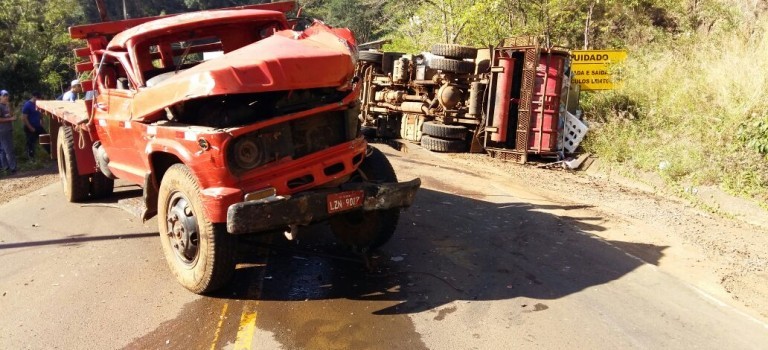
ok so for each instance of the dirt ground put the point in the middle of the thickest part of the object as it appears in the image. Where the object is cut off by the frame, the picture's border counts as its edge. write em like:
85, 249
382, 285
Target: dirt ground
23, 182
715, 252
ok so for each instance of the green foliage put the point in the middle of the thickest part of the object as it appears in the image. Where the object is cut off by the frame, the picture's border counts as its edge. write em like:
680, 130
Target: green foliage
610, 106
366, 18
692, 108
605, 24
754, 135
35, 44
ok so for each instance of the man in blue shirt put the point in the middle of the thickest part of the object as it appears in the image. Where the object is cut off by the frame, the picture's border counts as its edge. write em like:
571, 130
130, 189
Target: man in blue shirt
32, 125
75, 89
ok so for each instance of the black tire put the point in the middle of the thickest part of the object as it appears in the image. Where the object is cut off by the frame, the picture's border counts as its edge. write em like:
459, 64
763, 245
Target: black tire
448, 65
453, 132
75, 186
368, 132
200, 253
101, 185
370, 56
454, 51
440, 145
366, 231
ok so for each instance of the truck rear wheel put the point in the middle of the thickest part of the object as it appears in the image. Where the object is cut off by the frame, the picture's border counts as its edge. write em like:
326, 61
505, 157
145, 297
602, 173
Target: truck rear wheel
101, 185
366, 231
200, 253
75, 186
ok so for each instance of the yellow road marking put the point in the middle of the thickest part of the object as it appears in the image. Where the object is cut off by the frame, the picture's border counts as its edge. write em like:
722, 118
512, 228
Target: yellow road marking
247, 327
245, 331
218, 326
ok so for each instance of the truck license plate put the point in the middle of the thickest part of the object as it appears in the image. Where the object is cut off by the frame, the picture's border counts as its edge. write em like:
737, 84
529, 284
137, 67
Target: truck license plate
344, 201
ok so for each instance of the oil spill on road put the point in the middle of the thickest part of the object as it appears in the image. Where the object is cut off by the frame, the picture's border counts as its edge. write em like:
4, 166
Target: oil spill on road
536, 307
324, 298
444, 312
311, 295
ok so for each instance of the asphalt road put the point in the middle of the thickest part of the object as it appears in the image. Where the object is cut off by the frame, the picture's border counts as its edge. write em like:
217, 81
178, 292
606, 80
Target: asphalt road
479, 262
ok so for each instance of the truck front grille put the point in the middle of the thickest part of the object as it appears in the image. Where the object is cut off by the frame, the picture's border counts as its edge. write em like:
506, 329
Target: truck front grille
293, 139
226, 111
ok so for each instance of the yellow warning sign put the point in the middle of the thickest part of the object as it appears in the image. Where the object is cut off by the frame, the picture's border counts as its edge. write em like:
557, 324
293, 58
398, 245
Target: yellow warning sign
591, 68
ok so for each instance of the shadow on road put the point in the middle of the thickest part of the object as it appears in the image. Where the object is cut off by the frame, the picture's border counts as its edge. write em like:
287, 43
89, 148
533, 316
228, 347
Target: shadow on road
74, 240
451, 248
447, 248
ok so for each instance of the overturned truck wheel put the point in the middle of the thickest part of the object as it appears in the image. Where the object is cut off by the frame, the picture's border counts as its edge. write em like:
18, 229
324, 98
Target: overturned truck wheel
454, 51
454, 132
199, 253
449, 65
370, 56
366, 231
440, 145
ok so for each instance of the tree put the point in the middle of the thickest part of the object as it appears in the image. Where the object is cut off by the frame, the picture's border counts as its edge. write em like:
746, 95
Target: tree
612, 23
368, 19
37, 50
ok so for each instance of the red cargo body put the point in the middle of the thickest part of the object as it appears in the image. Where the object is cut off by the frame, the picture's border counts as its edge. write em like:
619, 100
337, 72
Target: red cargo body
545, 105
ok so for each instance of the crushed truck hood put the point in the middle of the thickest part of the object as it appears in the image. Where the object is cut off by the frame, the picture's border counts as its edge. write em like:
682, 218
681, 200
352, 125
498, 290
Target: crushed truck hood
285, 61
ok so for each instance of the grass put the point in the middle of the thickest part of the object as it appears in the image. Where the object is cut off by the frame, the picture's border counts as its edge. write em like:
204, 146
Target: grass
694, 112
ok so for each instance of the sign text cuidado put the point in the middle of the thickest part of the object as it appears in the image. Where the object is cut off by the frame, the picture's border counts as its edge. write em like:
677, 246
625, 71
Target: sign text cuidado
591, 68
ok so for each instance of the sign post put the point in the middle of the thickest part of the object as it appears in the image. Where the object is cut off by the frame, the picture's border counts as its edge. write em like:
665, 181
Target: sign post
591, 68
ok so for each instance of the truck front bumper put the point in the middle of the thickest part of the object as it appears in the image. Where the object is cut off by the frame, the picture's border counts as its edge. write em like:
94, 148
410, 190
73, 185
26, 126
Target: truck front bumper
308, 207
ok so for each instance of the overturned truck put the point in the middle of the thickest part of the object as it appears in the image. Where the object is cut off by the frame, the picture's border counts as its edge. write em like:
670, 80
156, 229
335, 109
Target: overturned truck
511, 100
234, 122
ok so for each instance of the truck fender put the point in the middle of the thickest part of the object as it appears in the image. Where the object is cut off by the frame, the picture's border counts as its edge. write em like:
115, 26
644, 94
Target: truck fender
161, 156
150, 197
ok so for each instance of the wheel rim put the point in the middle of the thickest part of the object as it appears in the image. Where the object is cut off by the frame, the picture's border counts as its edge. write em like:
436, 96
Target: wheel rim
182, 230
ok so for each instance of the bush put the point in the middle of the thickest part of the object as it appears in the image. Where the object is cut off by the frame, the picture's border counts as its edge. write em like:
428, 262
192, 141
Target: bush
693, 112
754, 135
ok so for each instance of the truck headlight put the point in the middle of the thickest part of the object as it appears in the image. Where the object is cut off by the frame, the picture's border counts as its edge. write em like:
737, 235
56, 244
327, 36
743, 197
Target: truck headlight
247, 153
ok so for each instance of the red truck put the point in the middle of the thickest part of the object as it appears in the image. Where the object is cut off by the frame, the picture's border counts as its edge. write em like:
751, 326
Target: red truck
234, 122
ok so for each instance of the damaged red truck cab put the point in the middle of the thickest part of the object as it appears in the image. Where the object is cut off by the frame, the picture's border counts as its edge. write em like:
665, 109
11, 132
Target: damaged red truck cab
233, 123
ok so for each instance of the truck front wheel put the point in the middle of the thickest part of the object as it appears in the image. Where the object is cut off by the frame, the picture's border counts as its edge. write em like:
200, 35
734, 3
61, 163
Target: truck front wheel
75, 186
200, 253
365, 231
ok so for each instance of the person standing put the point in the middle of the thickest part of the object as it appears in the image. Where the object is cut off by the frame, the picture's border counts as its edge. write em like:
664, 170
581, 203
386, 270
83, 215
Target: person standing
75, 88
6, 133
3, 162
32, 125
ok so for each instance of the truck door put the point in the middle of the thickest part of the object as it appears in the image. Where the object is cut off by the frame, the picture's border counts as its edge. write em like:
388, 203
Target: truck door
113, 107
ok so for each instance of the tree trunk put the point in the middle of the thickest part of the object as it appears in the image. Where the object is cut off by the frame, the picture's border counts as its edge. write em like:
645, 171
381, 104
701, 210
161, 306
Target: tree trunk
587, 23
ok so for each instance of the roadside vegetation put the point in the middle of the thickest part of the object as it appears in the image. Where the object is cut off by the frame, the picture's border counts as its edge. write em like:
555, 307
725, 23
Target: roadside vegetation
692, 108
